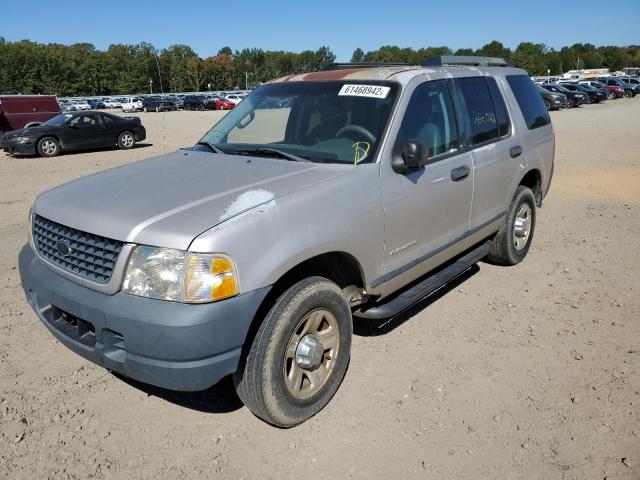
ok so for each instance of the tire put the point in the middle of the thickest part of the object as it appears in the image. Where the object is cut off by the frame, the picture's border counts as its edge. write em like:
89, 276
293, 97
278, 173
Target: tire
126, 140
628, 94
612, 96
48, 147
547, 105
201, 107
157, 109
261, 381
145, 110
511, 244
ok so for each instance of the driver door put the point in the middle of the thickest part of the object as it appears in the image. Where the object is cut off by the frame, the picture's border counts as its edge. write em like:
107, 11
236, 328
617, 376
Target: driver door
426, 211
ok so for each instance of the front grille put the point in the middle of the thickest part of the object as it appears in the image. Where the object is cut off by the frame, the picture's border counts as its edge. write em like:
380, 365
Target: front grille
91, 256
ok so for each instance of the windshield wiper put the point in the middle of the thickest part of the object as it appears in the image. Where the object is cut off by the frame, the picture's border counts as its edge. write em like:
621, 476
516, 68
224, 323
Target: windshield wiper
214, 148
273, 152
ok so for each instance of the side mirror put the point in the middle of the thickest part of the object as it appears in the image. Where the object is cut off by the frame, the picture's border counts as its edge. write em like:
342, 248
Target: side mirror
414, 156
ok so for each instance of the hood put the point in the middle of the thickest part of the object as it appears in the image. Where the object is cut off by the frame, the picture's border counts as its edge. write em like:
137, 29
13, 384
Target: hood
25, 132
167, 201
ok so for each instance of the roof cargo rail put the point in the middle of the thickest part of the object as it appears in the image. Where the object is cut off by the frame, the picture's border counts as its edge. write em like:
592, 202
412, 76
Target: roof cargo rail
344, 66
441, 60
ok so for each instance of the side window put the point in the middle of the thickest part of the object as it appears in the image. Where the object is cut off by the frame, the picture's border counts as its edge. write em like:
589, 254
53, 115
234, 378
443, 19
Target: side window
479, 105
498, 104
106, 119
430, 118
533, 110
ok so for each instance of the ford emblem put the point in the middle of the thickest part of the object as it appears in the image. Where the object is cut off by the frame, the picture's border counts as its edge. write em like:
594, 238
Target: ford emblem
63, 247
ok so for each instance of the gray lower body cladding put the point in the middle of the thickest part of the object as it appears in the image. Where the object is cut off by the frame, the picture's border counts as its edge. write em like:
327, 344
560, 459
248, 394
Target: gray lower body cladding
167, 344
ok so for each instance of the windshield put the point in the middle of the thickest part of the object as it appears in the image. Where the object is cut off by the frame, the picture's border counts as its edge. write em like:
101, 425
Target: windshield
58, 120
336, 121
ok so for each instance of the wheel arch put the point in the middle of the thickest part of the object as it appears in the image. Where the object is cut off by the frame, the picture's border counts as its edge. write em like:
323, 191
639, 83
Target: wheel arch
54, 136
533, 180
337, 266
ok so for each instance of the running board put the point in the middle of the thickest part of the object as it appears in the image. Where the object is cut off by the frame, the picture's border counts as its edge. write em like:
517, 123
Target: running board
426, 287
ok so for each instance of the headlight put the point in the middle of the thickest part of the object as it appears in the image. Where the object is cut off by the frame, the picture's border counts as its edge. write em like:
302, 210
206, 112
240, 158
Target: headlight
180, 276
21, 139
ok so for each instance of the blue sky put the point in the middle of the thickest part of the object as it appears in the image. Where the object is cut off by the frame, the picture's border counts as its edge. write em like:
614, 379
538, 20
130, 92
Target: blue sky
341, 25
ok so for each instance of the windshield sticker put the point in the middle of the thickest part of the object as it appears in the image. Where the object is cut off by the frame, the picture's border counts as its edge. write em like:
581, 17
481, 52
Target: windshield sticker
371, 91
361, 150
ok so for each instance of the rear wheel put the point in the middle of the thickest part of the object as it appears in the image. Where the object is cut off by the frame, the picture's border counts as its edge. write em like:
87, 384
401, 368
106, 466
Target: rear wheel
126, 140
547, 105
511, 243
48, 147
611, 96
299, 355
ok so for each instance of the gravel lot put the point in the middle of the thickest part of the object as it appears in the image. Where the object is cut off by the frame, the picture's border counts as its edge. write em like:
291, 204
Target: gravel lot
524, 372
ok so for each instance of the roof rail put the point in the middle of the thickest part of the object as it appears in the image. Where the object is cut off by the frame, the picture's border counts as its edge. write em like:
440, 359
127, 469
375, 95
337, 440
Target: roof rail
441, 60
344, 66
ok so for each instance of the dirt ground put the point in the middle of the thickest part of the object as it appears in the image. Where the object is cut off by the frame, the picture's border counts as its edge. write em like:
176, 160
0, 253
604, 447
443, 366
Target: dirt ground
525, 372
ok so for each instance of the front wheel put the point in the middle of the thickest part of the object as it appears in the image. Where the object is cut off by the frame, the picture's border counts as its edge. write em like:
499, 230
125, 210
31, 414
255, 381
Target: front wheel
126, 141
299, 355
612, 96
48, 147
511, 243
547, 105
628, 94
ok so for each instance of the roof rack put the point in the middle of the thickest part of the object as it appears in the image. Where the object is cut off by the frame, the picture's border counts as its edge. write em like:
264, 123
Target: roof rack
344, 66
442, 60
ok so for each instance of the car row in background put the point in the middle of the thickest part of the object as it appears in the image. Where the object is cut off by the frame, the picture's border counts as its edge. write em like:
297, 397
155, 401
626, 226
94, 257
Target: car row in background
568, 94
157, 103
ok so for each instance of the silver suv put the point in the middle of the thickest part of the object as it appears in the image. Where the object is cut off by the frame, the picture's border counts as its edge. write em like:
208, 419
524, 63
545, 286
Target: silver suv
354, 191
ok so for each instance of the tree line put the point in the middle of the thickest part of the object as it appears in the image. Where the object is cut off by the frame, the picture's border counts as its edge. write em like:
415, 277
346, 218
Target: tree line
81, 69
535, 58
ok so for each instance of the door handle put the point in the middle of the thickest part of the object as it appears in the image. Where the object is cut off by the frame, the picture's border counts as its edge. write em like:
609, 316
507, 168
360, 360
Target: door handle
460, 173
515, 151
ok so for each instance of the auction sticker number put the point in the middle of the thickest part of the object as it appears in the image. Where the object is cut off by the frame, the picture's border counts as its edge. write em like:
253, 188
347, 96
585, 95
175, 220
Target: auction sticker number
372, 91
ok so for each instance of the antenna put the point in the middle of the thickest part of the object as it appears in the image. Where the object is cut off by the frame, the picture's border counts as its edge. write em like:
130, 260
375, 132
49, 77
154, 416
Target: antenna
164, 129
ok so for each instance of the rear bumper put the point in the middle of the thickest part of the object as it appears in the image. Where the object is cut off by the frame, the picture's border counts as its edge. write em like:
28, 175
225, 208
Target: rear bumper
140, 133
167, 344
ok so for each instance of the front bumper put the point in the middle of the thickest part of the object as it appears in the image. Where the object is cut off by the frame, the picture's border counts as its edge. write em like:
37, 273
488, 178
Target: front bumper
18, 148
167, 344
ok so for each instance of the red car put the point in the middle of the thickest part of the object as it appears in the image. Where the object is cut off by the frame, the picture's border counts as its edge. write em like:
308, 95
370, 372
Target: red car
224, 104
23, 111
614, 90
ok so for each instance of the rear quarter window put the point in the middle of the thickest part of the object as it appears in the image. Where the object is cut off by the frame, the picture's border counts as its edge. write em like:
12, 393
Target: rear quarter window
529, 100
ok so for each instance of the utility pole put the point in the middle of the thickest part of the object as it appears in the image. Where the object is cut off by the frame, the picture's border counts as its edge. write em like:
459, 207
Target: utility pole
150, 86
246, 80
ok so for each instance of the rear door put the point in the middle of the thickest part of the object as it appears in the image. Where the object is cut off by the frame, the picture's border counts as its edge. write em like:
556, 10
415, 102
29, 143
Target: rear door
494, 150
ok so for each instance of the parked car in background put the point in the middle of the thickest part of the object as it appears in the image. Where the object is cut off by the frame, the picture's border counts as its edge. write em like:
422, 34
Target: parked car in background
236, 99
223, 103
157, 104
75, 131
591, 95
21, 111
199, 102
132, 104
575, 98
174, 100
81, 105
601, 93
612, 91
95, 103
629, 89
66, 106
553, 100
